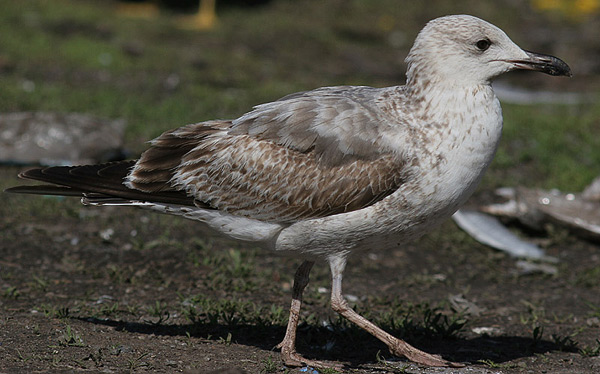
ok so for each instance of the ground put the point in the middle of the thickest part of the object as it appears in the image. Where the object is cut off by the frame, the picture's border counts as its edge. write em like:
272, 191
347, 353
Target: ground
86, 289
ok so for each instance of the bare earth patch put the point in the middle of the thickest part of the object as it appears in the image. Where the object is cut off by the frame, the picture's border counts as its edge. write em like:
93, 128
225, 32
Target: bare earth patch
123, 290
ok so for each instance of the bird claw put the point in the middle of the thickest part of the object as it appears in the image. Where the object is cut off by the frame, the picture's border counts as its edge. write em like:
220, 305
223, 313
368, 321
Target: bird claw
293, 359
423, 358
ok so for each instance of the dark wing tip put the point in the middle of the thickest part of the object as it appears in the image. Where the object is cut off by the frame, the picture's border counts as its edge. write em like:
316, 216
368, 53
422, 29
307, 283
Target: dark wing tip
45, 189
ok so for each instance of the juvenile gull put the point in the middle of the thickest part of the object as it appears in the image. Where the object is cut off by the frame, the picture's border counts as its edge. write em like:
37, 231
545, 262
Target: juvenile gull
331, 172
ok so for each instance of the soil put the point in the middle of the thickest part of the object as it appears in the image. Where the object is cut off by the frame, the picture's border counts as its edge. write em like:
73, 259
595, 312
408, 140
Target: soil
81, 291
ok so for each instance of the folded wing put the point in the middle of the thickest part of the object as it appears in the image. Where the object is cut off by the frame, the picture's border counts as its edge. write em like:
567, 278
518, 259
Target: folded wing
305, 156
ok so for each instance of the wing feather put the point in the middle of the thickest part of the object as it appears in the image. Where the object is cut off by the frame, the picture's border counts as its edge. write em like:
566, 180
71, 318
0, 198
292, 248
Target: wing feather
103, 180
341, 124
307, 155
249, 176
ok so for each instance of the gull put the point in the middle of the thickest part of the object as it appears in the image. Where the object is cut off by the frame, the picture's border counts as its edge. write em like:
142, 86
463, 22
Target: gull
332, 172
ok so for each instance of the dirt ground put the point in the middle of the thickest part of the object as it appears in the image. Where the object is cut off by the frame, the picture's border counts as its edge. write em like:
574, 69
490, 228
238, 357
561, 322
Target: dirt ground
81, 291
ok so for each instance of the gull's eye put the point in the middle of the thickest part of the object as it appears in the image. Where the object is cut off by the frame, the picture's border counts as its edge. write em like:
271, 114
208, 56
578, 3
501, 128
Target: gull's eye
483, 44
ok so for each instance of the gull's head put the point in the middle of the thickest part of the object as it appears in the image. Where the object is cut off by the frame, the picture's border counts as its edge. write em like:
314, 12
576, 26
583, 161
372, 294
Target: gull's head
463, 49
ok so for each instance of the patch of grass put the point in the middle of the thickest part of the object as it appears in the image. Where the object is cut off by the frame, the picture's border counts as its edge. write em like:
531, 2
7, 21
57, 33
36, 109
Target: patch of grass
565, 343
227, 340
70, 338
494, 365
25, 358
120, 275
55, 311
133, 310
534, 315
35, 329
11, 292
112, 310
557, 146
39, 283
591, 351
269, 366
160, 311
381, 360
421, 321
537, 334
109, 310
233, 269
231, 312
595, 309
588, 277
189, 341
137, 362
562, 319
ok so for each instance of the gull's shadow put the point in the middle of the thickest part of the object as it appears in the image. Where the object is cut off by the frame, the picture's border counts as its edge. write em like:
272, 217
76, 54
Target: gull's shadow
353, 347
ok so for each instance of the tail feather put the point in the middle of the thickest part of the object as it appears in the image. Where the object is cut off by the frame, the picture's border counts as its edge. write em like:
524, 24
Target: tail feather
46, 189
101, 182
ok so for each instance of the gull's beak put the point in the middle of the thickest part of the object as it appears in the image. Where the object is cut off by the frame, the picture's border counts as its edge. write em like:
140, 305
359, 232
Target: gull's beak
544, 63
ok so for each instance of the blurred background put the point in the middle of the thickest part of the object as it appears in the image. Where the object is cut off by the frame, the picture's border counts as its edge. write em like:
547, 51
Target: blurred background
162, 64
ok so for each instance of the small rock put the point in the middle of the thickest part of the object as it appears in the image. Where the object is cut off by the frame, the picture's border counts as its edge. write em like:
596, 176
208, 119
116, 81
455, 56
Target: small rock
489, 331
593, 322
526, 268
121, 349
461, 304
107, 234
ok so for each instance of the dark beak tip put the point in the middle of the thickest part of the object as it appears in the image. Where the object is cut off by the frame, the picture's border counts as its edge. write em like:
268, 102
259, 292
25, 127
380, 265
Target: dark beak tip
548, 64
561, 68
560, 73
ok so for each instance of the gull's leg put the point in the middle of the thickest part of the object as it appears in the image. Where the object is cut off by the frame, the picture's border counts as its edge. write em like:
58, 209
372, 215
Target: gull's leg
288, 345
397, 346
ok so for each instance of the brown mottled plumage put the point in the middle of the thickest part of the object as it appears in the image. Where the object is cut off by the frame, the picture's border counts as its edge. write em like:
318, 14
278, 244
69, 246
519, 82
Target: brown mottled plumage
277, 163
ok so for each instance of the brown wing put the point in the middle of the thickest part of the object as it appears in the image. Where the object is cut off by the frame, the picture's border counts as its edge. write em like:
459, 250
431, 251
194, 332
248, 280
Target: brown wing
339, 124
251, 177
308, 155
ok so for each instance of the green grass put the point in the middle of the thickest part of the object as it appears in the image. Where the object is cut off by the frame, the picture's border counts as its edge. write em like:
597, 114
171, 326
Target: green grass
231, 312
79, 56
71, 338
559, 145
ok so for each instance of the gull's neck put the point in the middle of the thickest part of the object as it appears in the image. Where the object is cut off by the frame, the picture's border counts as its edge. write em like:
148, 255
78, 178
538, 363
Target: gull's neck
459, 127
438, 96
458, 105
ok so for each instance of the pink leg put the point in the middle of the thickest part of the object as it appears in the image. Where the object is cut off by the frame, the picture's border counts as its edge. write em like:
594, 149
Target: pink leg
397, 346
288, 345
